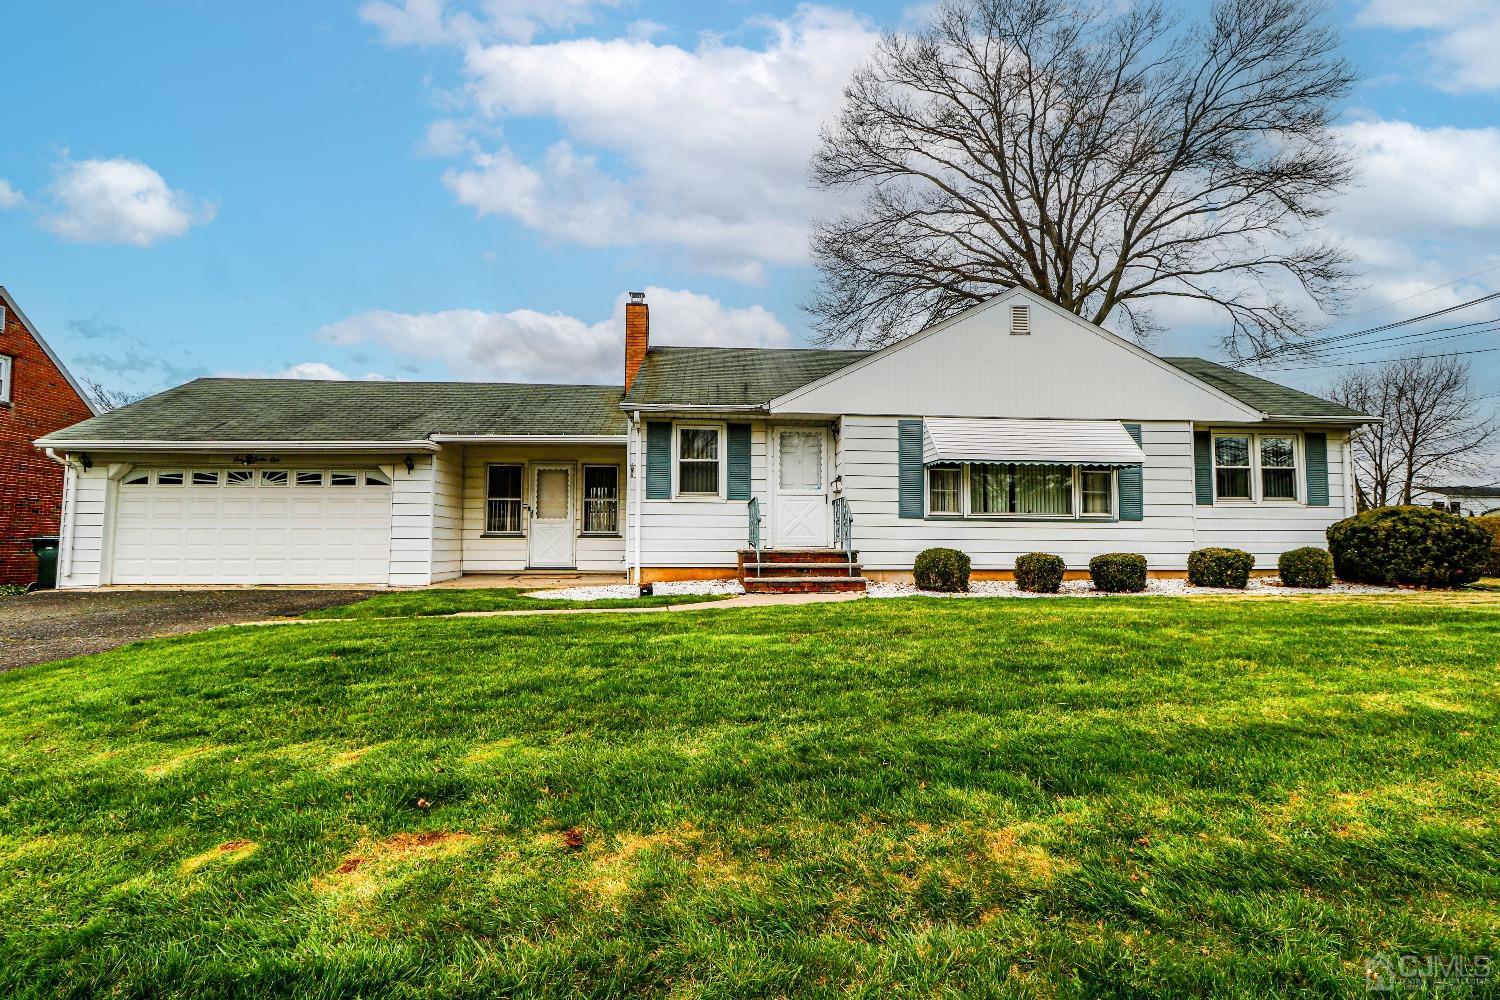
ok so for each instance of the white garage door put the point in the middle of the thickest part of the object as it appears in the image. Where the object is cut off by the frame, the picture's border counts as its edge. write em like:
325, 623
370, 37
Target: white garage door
253, 526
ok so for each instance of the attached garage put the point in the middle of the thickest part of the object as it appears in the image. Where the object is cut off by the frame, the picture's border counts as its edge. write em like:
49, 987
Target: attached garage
252, 526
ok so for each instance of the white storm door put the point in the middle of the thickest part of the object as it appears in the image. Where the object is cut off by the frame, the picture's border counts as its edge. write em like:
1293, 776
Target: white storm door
800, 486
551, 529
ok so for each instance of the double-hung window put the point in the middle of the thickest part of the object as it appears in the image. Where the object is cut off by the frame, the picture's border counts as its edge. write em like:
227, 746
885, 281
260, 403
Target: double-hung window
7, 366
699, 451
1255, 467
502, 514
1008, 489
601, 499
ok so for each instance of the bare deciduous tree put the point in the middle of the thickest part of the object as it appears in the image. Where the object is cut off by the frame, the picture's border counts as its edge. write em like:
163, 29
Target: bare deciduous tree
106, 399
1431, 428
1101, 157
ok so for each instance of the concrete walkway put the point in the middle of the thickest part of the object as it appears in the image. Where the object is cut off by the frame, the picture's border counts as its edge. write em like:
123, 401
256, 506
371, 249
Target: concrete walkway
743, 601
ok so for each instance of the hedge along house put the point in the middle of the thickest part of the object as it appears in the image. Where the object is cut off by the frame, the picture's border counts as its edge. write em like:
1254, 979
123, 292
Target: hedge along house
1013, 427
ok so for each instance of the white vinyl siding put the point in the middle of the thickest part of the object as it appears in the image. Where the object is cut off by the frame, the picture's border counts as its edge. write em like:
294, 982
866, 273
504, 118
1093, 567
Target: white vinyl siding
887, 541
709, 532
1267, 529
487, 552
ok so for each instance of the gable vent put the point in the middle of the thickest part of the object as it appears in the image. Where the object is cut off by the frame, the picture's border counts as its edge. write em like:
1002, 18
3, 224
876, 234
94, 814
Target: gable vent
1020, 321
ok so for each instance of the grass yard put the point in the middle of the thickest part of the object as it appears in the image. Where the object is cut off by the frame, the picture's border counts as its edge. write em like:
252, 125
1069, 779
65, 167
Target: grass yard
426, 603
1133, 797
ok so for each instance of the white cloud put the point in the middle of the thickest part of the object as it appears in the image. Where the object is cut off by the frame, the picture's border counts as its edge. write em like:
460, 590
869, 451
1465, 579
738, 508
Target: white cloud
1422, 183
119, 201
9, 196
434, 22
1463, 36
529, 346
704, 148
318, 371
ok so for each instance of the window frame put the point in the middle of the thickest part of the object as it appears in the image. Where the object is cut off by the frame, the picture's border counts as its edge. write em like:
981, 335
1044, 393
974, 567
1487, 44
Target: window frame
7, 375
1257, 482
583, 500
965, 496
722, 460
519, 498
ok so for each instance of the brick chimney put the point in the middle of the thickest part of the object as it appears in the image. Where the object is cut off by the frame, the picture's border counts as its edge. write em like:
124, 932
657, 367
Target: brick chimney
637, 335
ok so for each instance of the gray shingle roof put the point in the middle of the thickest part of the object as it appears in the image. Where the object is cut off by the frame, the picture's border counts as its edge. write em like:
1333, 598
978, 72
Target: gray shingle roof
730, 376
231, 409
1268, 397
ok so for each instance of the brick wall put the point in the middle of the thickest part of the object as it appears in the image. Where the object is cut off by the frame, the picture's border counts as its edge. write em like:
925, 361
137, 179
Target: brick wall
41, 401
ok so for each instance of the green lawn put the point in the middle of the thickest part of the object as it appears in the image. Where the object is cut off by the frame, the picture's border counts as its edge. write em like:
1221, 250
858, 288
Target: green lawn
424, 603
1133, 797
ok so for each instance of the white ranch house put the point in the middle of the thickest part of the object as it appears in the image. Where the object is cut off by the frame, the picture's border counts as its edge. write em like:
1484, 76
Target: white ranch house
1014, 427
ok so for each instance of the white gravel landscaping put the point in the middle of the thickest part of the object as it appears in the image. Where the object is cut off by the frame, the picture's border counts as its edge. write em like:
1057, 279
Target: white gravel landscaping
625, 590
1154, 588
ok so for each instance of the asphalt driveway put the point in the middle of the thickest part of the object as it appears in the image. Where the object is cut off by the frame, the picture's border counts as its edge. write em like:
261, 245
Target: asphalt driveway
54, 625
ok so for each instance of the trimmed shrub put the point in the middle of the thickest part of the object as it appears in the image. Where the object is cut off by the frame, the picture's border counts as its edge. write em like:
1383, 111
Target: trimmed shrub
945, 570
1216, 567
1491, 523
1039, 572
1417, 546
1308, 566
1118, 572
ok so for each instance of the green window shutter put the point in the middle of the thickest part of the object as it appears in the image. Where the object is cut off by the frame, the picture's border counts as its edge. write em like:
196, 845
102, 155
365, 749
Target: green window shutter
739, 461
909, 449
658, 461
1132, 487
1203, 467
1317, 469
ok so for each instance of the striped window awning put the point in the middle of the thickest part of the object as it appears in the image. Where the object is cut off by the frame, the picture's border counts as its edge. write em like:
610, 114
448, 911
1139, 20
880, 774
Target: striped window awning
1029, 442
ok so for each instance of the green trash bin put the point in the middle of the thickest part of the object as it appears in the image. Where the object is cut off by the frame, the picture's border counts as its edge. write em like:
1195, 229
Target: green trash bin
45, 547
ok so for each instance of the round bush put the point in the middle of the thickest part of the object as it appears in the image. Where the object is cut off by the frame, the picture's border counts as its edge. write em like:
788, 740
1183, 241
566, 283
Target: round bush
1118, 572
1417, 546
945, 570
1216, 567
1491, 523
1039, 572
1308, 566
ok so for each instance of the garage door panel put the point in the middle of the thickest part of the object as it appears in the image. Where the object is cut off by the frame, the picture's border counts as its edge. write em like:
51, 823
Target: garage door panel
252, 534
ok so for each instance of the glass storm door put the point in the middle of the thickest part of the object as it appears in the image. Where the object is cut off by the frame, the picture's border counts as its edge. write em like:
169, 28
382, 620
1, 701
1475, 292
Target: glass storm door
551, 529
800, 486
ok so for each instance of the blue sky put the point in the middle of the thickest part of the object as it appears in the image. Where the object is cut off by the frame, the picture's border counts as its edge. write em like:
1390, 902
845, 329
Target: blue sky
414, 189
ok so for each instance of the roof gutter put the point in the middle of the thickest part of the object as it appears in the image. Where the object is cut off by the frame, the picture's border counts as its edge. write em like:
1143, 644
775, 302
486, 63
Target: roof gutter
122, 445
529, 438
707, 407
1352, 421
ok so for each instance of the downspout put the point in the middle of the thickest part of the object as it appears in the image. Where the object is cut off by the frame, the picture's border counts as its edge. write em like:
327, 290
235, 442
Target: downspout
638, 482
65, 522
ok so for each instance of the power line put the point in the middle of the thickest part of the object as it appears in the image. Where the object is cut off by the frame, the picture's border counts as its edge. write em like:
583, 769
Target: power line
1413, 295
1424, 337
1271, 353
1380, 361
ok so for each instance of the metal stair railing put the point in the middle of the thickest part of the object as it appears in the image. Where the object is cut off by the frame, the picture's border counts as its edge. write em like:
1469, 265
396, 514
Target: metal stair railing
754, 508
843, 530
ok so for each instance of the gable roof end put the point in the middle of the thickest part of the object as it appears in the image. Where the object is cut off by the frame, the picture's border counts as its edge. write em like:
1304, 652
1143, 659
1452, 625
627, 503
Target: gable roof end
41, 342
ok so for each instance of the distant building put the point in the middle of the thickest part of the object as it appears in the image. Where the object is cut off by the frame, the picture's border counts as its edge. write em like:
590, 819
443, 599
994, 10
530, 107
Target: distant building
1469, 501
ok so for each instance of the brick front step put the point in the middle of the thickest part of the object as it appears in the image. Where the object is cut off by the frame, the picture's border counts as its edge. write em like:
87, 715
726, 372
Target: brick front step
804, 584
796, 556
753, 569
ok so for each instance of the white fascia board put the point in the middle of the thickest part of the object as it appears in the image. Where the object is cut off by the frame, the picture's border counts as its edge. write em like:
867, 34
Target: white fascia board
75, 446
41, 341
782, 402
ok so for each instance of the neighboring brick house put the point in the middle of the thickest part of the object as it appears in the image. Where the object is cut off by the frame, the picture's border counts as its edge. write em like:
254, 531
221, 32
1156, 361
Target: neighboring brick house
37, 396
